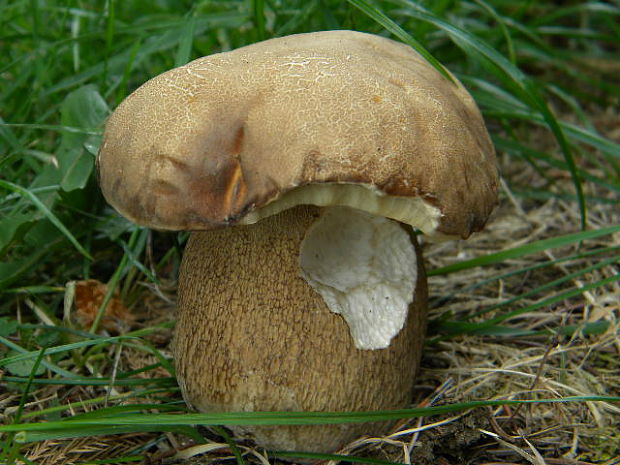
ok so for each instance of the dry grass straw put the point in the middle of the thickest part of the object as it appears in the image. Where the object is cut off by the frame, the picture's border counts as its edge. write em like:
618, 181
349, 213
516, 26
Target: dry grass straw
84, 450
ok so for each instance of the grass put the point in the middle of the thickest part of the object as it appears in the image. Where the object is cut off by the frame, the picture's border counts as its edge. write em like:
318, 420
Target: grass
525, 311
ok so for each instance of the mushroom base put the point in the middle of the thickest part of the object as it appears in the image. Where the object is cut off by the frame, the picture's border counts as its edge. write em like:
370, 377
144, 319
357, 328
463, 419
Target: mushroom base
253, 335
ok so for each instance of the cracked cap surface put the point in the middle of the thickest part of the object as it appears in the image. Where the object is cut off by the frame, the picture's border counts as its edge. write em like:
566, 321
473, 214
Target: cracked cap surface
203, 145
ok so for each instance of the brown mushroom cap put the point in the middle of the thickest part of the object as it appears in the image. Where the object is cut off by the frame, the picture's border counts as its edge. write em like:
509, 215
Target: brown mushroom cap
214, 142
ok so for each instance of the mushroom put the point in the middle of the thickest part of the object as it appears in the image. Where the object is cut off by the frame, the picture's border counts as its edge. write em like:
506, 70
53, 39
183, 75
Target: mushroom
303, 165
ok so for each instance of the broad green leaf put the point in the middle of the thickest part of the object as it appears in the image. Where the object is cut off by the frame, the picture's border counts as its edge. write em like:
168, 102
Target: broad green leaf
23, 367
13, 270
10, 224
7, 135
77, 165
82, 114
17, 359
47, 212
83, 108
7, 326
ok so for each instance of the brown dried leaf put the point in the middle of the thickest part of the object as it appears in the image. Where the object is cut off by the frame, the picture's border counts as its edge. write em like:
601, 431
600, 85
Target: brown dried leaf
89, 295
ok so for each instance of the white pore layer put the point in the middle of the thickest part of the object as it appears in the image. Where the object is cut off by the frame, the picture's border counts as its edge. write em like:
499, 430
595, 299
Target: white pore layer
409, 210
365, 269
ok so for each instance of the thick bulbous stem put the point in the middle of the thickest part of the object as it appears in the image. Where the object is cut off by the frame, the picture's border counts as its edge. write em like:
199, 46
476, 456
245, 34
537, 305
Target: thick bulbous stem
252, 335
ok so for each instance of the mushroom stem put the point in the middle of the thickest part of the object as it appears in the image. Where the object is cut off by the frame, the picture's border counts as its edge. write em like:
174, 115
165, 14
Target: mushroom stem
253, 335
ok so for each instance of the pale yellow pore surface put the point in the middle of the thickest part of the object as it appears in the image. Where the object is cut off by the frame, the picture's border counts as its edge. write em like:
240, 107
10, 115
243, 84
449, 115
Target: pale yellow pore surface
409, 210
203, 145
252, 335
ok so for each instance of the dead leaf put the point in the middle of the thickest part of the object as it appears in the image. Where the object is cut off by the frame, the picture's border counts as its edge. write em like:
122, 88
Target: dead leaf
89, 295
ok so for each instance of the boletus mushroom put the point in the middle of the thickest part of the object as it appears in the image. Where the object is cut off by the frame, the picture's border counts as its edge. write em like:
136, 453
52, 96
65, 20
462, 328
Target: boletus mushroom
302, 165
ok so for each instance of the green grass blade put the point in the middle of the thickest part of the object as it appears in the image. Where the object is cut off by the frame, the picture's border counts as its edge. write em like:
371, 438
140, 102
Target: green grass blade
163, 421
522, 270
102, 400
65, 348
184, 49
327, 457
47, 213
450, 329
547, 286
67, 433
16, 347
526, 249
502, 25
258, 16
554, 299
512, 77
380, 17
170, 383
491, 326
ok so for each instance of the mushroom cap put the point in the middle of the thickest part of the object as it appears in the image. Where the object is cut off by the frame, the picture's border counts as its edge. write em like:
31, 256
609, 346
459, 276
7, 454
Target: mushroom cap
219, 140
